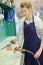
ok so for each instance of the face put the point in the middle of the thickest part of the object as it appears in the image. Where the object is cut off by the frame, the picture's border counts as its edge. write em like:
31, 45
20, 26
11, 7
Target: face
26, 12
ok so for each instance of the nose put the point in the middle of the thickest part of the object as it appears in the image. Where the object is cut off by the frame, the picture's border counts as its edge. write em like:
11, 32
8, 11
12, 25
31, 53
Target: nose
24, 14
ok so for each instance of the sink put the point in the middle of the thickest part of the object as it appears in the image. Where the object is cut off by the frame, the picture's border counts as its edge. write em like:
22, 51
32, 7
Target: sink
9, 58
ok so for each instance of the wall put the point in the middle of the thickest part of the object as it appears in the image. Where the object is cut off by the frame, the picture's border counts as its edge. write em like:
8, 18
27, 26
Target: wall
3, 33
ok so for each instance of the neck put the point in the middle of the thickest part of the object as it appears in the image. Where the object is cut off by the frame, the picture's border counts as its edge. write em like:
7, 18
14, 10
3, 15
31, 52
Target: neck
29, 18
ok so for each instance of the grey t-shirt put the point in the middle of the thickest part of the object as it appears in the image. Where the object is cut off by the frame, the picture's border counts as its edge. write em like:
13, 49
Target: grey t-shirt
39, 29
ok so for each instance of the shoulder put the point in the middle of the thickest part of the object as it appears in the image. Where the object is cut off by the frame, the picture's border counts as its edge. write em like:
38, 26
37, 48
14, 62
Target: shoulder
21, 22
38, 22
22, 19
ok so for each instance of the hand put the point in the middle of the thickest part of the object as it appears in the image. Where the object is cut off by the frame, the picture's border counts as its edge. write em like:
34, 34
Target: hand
38, 53
15, 40
18, 48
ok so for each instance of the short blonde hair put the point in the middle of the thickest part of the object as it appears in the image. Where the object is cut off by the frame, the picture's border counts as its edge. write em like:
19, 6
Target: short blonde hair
26, 4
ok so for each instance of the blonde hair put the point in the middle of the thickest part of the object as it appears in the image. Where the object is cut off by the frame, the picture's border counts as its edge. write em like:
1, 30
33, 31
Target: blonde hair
26, 4
20, 14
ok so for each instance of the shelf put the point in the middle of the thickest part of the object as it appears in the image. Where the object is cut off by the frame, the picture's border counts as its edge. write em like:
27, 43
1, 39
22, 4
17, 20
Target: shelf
5, 7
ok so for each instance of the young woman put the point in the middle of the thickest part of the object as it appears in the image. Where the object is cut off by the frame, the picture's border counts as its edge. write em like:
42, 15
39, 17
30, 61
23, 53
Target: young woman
30, 33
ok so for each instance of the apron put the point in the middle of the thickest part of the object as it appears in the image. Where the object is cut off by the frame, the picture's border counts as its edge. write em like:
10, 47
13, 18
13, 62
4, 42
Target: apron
31, 42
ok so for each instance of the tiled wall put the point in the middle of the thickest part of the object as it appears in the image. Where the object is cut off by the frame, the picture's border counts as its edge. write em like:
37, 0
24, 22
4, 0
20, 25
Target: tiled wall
3, 33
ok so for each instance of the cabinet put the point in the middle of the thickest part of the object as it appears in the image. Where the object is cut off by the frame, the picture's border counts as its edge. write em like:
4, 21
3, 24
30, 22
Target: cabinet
8, 28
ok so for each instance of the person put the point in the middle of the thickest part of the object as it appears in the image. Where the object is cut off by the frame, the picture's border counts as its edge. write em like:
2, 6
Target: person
31, 33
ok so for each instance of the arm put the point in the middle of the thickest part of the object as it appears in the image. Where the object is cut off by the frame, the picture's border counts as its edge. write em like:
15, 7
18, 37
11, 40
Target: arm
39, 30
38, 53
20, 34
